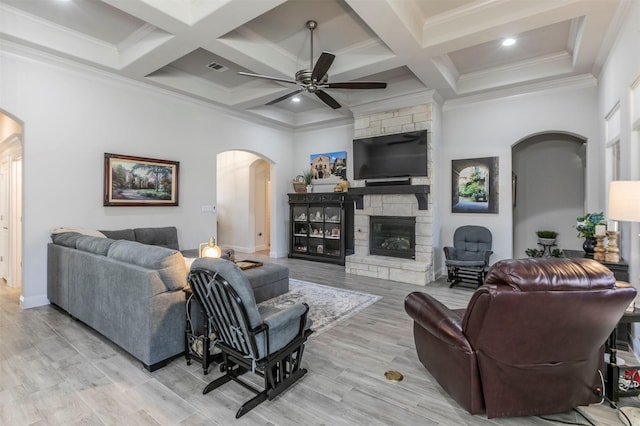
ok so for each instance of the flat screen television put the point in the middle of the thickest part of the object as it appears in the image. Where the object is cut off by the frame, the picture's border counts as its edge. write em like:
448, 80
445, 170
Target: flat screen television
390, 156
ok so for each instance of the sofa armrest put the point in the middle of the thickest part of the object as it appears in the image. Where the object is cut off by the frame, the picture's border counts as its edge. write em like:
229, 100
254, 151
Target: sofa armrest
437, 319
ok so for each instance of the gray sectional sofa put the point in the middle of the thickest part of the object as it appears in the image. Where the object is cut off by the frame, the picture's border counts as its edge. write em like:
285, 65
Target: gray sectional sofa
127, 287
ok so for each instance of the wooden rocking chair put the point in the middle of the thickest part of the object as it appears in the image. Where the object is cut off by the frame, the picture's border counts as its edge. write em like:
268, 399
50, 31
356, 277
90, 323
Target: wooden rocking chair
267, 342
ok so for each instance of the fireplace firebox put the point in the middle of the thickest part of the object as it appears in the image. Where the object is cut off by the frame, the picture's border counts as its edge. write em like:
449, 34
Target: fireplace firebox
393, 236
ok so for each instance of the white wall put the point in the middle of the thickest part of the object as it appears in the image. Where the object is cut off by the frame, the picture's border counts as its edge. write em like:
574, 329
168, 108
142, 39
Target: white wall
490, 128
619, 74
72, 115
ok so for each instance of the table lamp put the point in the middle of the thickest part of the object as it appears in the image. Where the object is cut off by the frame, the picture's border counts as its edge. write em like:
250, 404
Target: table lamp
624, 205
210, 249
624, 200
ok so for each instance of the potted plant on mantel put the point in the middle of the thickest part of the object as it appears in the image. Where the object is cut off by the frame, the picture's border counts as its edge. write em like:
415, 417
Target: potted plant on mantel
308, 178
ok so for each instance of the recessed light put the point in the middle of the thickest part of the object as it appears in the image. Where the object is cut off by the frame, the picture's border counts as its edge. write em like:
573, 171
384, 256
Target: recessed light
508, 41
295, 99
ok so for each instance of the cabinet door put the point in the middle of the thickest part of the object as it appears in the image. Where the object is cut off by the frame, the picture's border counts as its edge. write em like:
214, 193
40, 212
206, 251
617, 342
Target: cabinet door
316, 229
333, 231
300, 229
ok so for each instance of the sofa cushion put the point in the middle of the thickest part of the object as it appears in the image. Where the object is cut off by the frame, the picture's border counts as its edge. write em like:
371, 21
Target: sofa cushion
169, 263
67, 239
163, 237
94, 245
120, 234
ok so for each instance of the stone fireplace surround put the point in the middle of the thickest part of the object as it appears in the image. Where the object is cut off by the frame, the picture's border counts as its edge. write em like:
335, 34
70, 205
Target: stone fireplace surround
394, 200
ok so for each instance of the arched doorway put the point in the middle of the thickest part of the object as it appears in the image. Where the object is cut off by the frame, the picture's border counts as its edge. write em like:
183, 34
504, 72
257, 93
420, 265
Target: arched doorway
11, 140
243, 201
548, 189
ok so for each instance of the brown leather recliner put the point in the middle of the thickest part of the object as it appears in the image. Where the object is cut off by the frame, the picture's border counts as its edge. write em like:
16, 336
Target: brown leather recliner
530, 341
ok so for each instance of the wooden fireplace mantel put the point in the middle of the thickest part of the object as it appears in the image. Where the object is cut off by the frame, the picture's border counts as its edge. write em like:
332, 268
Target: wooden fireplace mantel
420, 191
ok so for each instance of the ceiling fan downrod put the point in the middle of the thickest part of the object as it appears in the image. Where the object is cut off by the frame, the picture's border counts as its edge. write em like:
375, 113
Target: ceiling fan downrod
311, 25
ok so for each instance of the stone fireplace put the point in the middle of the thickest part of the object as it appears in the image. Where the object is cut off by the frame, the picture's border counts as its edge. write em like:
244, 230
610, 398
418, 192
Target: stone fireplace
401, 203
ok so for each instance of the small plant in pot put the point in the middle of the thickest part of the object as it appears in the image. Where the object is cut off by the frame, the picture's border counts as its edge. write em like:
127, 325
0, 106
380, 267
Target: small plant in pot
308, 179
546, 238
541, 253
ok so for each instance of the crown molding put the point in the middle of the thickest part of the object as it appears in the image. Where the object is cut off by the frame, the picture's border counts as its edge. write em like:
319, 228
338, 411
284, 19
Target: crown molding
24, 53
570, 83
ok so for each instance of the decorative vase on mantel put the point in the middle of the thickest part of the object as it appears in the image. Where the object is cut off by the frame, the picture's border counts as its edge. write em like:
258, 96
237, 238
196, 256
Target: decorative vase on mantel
589, 246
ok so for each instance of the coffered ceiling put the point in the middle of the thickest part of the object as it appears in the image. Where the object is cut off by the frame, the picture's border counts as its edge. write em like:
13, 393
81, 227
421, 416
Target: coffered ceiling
197, 47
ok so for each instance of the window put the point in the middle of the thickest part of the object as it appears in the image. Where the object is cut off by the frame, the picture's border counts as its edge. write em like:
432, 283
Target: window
612, 130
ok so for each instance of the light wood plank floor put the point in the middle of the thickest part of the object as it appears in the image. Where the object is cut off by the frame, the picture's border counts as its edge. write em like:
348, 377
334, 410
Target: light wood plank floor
56, 371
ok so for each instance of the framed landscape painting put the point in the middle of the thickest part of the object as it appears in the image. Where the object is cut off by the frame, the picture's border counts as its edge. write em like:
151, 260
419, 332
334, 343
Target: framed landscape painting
139, 181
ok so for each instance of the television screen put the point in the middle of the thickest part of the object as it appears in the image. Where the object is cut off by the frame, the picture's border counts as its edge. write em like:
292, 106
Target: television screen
390, 156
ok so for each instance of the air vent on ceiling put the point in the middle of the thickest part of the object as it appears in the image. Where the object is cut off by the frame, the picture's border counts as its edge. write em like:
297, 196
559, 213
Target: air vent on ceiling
216, 66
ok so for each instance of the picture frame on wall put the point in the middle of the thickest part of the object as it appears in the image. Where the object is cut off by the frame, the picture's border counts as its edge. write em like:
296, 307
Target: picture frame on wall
140, 181
328, 164
474, 185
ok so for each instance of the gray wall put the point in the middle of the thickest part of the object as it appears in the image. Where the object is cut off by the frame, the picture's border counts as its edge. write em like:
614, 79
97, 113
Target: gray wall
550, 192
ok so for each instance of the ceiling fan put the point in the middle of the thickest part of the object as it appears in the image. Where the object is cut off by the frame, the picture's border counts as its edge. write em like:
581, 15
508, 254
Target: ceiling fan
314, 79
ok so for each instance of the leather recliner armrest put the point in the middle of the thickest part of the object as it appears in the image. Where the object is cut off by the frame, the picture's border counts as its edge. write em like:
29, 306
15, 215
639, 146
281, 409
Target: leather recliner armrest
437, 319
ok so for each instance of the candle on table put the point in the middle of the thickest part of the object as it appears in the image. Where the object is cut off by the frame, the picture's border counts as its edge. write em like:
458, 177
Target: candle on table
600, 230
612, 225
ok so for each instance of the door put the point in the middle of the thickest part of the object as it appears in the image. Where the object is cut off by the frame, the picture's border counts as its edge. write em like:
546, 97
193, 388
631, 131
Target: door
4, 220
261, 204
15, 224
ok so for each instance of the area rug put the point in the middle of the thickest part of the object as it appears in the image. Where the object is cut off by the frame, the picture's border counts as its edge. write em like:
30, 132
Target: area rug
327, 305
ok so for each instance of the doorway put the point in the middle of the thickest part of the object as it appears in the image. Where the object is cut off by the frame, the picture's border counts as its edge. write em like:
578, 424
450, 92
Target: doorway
548, 189
243, 201
11, 131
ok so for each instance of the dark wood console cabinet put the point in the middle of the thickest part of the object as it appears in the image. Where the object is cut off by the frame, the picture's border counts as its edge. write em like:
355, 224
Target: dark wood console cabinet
620, 269
321, 226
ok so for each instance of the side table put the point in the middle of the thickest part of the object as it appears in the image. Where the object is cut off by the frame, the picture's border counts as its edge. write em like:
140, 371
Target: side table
197, 339
612, 380
620, 269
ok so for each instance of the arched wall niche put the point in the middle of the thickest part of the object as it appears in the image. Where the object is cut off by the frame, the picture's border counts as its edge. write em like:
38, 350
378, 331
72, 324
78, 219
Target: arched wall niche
548, 188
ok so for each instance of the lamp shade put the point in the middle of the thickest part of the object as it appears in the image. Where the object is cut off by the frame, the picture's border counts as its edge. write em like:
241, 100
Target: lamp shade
624, 200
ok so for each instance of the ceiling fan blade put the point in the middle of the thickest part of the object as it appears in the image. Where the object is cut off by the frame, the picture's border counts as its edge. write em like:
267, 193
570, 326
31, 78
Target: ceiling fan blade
266, 77
357, 85
327, 99
282, 98
322, 66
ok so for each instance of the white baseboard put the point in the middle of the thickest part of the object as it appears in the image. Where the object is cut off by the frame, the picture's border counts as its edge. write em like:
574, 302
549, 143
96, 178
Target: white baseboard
33, 302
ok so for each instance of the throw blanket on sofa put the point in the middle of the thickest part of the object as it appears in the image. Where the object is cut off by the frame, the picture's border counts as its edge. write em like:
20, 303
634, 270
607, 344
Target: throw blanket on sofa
83, 231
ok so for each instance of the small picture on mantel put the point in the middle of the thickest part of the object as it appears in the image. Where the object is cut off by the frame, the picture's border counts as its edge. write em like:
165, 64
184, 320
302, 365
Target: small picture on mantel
474, 185
329, 164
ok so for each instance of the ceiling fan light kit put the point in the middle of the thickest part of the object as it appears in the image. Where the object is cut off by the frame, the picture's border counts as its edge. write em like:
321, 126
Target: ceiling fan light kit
315, 79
